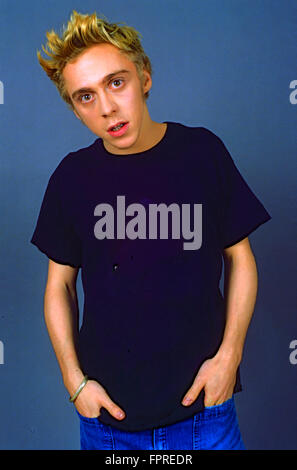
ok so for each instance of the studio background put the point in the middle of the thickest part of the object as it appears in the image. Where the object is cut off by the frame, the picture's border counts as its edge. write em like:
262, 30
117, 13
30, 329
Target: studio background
222, 64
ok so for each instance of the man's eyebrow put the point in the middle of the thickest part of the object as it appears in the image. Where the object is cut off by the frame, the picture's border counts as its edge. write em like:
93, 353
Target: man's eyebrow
104, 80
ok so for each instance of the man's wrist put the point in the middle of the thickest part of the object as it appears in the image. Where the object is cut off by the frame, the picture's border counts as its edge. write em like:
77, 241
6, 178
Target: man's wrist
230, 354
72, 379
81, 386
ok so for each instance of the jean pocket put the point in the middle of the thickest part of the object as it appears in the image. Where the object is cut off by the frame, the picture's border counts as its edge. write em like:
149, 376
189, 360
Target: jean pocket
94, 435
216, 428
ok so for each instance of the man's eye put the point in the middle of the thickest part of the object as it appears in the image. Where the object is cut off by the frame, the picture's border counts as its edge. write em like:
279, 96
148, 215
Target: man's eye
85, 98
117, 82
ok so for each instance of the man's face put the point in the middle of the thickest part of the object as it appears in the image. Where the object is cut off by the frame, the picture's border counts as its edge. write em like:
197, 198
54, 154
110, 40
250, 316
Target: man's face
106, 90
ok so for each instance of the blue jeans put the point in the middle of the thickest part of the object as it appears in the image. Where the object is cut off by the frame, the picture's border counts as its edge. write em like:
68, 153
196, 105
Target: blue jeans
215, 428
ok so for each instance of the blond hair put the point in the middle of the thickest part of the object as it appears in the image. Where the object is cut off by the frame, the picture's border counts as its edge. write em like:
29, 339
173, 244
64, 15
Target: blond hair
83, 31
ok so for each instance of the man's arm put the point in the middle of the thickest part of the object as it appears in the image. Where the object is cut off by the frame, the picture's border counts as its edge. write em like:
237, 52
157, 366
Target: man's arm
61, 314
218, 375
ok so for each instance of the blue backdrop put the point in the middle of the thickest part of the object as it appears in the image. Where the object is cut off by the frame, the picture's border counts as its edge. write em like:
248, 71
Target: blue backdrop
229, 65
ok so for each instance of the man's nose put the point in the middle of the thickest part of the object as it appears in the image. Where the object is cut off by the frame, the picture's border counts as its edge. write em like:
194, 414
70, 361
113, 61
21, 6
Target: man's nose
107, 104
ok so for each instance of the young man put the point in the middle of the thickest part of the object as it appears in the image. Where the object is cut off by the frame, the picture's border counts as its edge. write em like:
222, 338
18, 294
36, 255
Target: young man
148, 212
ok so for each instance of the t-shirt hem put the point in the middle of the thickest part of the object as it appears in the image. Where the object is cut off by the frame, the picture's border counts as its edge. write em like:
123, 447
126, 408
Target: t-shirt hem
154, 425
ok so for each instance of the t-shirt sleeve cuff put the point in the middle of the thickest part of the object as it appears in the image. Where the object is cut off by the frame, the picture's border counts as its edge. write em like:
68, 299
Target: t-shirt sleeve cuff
54, 256
237, 237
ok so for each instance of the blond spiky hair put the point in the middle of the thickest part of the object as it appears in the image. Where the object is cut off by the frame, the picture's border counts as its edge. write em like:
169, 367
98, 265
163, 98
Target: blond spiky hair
83, 31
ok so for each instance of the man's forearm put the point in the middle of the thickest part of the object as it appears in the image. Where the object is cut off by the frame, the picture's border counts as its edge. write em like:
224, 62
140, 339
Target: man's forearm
61, 316
240, 291
217, 375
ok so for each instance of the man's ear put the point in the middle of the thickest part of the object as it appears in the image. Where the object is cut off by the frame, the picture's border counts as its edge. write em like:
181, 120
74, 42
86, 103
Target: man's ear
146, 81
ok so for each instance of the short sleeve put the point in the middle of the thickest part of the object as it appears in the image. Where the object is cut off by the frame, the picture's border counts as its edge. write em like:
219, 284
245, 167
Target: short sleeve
240, 210
54, 234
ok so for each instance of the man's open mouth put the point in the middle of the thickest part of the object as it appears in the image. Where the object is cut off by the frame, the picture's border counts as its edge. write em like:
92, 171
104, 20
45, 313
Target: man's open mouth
117, 127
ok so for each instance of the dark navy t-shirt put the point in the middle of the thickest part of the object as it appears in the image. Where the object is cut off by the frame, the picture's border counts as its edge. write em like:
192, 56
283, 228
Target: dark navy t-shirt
148, 232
